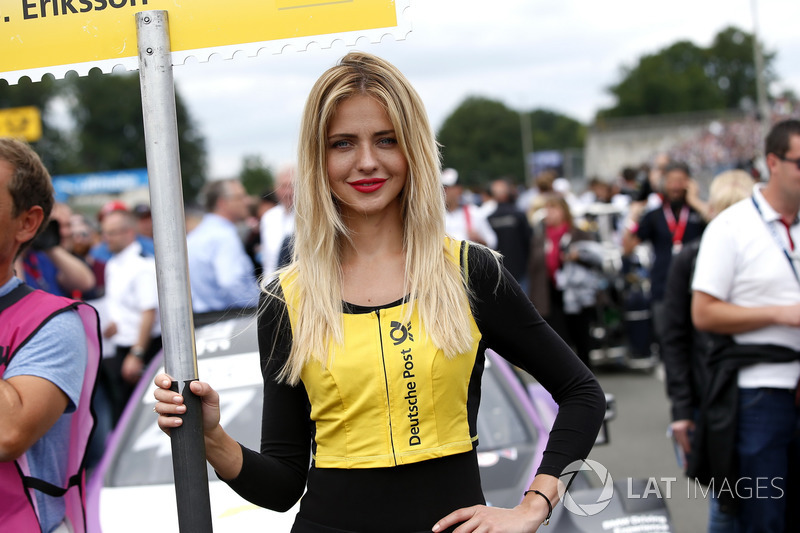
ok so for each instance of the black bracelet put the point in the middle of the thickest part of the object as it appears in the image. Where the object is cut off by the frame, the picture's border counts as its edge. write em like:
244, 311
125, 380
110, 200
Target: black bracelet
549, 505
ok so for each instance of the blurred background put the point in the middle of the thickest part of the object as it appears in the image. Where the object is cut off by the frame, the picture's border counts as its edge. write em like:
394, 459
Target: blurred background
511, 87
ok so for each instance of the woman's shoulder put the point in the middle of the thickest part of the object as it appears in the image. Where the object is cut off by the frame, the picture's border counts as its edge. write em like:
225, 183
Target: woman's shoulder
272, 302
481, 264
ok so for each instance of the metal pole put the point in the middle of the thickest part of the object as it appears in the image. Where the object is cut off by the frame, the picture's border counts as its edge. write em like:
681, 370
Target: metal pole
527, 145
172, 268
761, 89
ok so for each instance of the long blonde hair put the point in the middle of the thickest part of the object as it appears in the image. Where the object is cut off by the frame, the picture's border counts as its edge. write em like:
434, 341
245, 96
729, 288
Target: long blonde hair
728, 188
433, 282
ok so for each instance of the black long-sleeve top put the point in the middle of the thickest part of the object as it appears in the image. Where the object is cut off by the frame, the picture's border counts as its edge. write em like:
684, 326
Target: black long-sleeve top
412, 497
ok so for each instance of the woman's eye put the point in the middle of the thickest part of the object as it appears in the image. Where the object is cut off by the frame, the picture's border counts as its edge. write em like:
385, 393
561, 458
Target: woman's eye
340, 144
388, 141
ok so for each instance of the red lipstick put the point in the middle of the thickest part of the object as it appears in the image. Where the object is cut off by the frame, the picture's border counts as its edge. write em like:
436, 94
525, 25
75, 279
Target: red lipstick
367, 184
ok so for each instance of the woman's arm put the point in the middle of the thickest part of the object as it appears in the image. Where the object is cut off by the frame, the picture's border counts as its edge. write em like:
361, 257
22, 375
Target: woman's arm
511, 326
222, 452
275, 477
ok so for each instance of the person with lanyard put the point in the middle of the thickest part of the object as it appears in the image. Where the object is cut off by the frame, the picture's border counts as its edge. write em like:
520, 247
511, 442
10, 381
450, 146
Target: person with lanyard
667, 229
685, 349
746, 288
372, 339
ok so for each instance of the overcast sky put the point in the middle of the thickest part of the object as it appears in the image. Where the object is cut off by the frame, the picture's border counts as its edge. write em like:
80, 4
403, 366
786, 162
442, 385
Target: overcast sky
558, 55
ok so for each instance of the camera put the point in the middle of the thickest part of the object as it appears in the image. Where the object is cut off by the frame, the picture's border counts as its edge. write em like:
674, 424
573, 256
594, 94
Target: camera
49, 238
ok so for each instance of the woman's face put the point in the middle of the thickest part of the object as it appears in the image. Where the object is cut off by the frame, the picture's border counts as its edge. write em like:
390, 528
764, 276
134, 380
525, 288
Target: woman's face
366, 167
554, 216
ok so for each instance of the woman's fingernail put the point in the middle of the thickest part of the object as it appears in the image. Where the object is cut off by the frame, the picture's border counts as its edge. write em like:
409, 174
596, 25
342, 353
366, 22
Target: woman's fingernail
436, 527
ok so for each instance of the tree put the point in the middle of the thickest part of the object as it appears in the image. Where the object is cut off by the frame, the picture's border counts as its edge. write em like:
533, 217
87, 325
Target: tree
685, 77
110, 129
482, 139
255, 175
53, 147
554, 131
670, 81
731, 66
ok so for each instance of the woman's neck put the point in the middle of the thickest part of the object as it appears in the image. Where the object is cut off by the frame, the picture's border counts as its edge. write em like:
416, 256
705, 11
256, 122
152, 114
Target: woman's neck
372, 236
373, 262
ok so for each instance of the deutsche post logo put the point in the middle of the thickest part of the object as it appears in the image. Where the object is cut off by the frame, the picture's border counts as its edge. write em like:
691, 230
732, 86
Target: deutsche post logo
400, 333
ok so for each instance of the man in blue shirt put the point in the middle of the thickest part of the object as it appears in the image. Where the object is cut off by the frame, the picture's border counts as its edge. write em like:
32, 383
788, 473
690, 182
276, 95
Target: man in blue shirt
49, 350
220, 271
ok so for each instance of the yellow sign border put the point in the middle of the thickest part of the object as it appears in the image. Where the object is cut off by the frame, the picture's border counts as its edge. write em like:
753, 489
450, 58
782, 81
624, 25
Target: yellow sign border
48, 43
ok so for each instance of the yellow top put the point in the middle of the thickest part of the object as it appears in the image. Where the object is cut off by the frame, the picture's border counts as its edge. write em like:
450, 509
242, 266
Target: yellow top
390, 396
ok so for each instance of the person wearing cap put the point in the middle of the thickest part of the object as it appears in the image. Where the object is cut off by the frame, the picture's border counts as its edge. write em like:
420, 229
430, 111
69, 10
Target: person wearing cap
464, 221
101, 252
144, 220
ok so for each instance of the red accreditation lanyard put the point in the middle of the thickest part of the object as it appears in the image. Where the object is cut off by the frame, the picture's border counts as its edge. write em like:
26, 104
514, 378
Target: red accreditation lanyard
676, 227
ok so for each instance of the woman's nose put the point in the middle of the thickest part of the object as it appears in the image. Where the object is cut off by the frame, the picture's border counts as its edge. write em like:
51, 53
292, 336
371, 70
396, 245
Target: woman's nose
367, 161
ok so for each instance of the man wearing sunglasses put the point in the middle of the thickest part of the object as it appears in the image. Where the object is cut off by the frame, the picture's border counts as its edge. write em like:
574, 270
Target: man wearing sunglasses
747, 288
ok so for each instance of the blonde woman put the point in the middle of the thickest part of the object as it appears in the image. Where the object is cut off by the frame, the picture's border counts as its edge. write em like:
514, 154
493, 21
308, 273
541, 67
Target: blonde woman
372, 338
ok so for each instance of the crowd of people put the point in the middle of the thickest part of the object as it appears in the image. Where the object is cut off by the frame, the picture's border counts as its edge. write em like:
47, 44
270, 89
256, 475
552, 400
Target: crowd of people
367, 222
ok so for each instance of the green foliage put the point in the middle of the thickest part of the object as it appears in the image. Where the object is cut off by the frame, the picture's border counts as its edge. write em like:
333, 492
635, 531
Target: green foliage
731, 66
482, 139
554, 131
684, 77
107, 131
110, 129
670, 81
53, 147
256, 177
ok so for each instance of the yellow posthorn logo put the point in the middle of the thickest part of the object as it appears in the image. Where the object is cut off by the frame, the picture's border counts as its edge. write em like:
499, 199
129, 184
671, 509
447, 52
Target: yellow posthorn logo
21, 123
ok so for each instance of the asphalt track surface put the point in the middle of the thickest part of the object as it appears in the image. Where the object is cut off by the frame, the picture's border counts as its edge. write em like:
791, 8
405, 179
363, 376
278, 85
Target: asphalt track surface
639, 446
